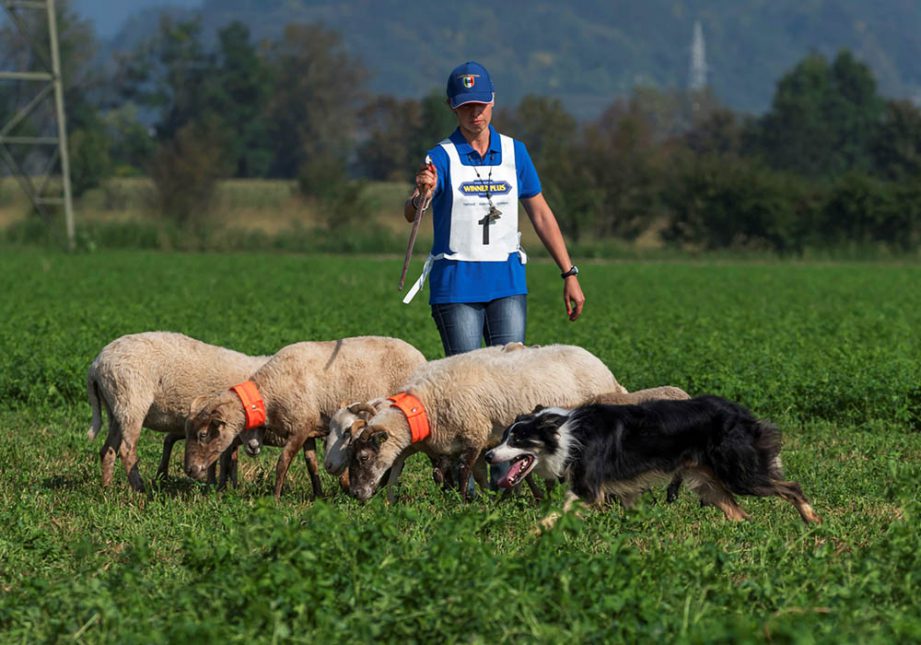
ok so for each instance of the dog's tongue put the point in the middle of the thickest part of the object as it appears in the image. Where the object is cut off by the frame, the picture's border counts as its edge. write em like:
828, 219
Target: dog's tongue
514, 469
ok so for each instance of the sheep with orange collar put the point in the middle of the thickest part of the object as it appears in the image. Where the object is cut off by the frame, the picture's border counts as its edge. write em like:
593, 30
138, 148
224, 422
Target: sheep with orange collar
457, 407
149, 380
343, 429
293, 395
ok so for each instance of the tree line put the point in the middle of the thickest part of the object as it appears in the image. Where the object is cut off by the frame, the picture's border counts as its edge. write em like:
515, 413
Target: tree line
831, 163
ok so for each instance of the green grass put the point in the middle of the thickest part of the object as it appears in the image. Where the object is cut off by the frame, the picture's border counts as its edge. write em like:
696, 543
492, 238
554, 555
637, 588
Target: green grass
829, 352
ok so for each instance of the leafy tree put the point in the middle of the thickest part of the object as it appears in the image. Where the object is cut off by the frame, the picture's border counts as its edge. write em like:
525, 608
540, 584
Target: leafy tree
131, 143
172, 73
865, 210
722, 202
625, 164
552, 137
317, 92
896, 146
390, 126
185, 170
822, 118
436, 122
721, 132
855, 110
239, 97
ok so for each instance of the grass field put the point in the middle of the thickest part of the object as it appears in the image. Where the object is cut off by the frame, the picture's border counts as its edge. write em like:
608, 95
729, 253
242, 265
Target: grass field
830, 352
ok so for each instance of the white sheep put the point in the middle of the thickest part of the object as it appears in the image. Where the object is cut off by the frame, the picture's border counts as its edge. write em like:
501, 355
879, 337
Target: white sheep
639, 396
343, 429
470, 398
150, 380
301, 386
338, 442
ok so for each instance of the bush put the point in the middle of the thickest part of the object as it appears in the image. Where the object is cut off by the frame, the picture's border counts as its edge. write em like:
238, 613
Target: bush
340, 200
185, 171
725, 202
863, 210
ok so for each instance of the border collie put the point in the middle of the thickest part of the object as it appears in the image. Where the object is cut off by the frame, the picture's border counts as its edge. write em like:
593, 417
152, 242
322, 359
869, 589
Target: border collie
715, 446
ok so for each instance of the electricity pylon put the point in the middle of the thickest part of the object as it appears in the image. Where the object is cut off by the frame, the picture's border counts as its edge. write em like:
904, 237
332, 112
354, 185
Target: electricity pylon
48, 80
697, 76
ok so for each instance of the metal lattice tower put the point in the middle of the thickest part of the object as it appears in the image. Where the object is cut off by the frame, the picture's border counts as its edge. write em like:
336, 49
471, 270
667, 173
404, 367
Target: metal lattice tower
48, 83
697, 76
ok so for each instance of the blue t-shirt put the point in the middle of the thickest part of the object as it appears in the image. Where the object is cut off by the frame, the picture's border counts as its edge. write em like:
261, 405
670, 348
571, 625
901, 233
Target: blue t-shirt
460, 281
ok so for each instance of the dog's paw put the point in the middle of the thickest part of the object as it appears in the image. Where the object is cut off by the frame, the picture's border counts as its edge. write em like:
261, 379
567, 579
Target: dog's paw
546, 524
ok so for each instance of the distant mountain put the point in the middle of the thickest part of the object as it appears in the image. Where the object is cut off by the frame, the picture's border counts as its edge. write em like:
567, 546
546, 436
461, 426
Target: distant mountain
109, 17
589, 52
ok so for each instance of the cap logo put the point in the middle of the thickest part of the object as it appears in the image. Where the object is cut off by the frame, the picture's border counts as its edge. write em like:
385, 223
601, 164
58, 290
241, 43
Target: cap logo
469, 80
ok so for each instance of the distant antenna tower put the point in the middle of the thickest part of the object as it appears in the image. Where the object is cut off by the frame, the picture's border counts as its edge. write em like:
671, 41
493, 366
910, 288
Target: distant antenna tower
697, 77
48, 81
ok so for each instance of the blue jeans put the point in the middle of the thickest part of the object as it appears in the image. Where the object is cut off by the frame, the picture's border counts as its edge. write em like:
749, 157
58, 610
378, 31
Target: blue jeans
463, 326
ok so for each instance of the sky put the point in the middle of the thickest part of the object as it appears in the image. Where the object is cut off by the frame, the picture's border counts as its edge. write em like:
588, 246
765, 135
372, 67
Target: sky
107, 16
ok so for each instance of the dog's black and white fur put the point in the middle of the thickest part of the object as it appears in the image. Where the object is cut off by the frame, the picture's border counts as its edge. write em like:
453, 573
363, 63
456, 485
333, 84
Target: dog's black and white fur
716, 446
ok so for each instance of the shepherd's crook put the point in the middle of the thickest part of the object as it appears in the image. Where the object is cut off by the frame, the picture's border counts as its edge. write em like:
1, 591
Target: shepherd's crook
423, 204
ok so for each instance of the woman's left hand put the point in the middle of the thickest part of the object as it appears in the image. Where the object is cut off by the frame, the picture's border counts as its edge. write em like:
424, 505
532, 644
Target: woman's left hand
573, 297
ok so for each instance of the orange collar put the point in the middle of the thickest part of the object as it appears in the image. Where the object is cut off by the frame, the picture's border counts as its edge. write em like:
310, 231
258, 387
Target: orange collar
253, 406
415, 414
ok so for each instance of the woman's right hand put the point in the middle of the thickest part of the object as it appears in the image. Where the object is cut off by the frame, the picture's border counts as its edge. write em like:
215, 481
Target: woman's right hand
426, 179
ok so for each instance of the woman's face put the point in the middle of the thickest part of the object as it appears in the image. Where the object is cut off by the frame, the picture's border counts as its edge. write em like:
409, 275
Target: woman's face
474, 118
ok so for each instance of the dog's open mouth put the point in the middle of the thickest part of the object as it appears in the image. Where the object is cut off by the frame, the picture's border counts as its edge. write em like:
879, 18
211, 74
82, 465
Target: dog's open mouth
517, 471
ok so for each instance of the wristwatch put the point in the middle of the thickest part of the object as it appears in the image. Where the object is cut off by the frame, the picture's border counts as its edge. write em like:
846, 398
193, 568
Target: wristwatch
573, 270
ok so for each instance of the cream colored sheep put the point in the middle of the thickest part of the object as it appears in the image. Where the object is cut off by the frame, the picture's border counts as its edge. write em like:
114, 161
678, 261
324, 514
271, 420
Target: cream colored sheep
470, 398
150, 380
302, 386
341, 424
630, 398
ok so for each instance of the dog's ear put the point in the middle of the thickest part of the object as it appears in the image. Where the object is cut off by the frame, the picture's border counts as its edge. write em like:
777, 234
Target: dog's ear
537, 409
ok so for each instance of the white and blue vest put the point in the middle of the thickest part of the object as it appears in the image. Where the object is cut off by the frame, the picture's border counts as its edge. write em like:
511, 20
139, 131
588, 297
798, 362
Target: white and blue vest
474, 236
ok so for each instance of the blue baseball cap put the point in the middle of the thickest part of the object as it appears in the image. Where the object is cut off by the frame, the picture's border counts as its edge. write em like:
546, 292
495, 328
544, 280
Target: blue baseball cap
470, 83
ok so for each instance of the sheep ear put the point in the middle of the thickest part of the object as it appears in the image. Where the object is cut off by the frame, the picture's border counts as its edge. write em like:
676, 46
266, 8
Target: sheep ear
357, 426
197, 404
378, 438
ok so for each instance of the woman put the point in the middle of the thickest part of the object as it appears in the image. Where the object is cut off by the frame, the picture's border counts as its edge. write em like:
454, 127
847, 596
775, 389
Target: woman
476, 268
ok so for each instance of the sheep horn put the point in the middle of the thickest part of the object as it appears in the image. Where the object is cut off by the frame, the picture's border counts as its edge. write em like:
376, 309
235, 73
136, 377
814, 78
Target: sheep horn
363, 409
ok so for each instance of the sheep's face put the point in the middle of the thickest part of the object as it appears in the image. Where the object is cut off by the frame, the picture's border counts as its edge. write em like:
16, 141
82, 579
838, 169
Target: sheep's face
212, 426
342, 431
373, 453
343, 427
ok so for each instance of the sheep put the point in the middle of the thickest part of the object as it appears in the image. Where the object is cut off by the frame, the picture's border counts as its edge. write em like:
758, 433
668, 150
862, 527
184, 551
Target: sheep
650, 394
149, 380
301, 387
338, 441
342, 429
470, 398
